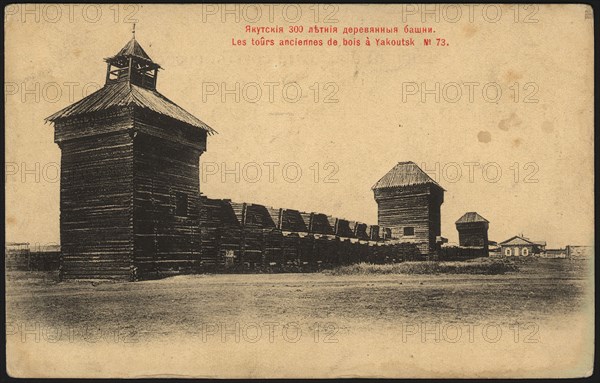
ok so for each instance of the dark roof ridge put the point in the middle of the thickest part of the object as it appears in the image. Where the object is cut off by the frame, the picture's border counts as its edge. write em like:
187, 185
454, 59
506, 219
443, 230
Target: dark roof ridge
125, 94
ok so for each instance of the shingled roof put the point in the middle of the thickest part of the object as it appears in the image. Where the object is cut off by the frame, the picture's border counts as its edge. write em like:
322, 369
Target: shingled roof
471, 217
404, 174
132, 49
115, 95
124, 94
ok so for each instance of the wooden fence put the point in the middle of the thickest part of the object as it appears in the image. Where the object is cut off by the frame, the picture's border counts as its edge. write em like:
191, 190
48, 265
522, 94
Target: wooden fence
33, 261
240, 237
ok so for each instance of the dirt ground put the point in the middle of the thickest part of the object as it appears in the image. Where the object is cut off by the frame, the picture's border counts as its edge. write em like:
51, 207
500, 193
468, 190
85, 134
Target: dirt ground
537, 310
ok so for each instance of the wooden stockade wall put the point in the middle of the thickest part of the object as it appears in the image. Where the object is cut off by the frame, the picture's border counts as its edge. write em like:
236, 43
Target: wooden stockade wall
240, 237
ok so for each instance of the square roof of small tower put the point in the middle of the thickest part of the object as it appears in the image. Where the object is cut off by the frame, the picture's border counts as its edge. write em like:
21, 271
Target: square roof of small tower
405, 174
471, 217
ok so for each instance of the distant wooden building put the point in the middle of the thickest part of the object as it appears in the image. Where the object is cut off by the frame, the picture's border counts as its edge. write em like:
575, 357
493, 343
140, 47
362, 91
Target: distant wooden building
519, 246
129, 198
408, 203
473, 231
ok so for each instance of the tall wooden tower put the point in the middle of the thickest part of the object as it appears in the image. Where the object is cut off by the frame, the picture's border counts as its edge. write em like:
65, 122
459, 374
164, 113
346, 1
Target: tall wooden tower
129, 194
408, 202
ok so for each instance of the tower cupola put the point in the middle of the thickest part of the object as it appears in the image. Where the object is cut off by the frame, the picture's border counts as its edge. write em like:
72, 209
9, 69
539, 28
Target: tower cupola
132, 64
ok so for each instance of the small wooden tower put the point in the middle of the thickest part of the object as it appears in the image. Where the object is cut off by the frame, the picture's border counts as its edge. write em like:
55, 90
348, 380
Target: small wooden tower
129, 195
473, 231
408, 202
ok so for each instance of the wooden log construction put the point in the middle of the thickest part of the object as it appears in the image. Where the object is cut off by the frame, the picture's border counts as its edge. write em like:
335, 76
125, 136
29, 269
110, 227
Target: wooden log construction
132, 209
131, 206
241, 237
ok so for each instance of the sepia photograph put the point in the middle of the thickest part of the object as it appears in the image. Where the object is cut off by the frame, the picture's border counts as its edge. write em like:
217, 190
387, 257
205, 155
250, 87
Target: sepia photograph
299, 190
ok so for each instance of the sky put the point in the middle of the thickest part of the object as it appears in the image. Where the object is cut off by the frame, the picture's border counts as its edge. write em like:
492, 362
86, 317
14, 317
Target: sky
498, 109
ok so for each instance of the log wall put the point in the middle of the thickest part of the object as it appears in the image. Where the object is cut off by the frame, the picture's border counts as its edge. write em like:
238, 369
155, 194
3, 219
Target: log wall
241, 237
130, 198
96, 205
416, 207
473, 234
165, 240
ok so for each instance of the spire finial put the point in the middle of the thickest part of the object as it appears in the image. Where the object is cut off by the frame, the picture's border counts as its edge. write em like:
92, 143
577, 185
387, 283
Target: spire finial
133, 31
